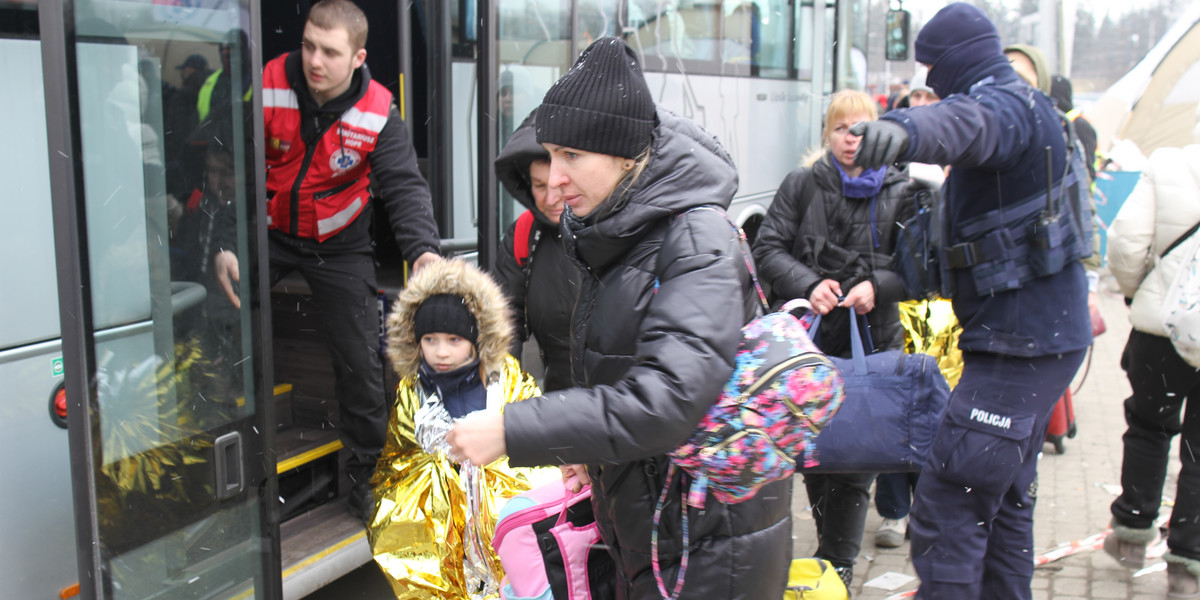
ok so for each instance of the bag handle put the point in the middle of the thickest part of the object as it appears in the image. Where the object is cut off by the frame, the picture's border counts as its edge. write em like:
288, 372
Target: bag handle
857, 338
683, 561
570, 498
857, 353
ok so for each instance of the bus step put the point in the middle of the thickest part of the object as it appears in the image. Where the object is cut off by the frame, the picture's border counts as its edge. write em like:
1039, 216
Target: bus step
299, 446
308, 469
319, 546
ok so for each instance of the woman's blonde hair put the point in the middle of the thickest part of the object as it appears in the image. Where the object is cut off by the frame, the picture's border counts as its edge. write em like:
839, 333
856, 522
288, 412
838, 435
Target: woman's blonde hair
848, 102
619, 197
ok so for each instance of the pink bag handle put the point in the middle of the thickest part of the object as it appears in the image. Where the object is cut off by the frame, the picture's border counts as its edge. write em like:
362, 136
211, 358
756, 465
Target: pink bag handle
570, 497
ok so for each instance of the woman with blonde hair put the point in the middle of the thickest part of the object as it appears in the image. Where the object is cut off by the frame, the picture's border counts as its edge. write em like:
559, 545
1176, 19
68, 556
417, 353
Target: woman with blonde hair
828, 237
664, 294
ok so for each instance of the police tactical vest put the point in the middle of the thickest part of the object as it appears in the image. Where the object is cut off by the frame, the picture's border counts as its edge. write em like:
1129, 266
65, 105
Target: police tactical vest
1035, 237
1003, 248
316, 192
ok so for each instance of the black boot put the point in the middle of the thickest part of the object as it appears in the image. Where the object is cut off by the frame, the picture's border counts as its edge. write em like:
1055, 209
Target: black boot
847, 575
362, 502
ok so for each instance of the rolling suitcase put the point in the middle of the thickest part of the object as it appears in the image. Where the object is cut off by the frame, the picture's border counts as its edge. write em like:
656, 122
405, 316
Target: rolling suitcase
1062, 423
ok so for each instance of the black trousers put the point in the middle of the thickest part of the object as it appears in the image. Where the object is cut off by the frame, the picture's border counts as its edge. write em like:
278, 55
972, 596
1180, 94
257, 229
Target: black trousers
1163, 385
344, 288
839, 505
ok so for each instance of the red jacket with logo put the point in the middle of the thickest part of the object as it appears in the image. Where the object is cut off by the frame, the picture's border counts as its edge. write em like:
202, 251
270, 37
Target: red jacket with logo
315, 192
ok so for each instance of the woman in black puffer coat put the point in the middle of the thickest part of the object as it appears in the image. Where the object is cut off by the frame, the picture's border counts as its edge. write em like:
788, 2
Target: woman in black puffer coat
816, 231
543, 287
828, 235
655, 331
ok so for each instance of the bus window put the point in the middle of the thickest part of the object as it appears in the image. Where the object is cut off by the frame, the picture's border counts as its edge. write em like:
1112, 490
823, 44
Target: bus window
764, 29
534, 41
688, 32
596, 19
534, 48
803, 43
535, 32
742, 29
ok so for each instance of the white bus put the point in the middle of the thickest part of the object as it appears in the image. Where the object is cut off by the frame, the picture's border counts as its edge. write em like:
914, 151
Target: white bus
162, 447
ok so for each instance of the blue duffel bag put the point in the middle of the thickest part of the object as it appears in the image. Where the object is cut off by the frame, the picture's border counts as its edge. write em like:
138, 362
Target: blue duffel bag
893, 405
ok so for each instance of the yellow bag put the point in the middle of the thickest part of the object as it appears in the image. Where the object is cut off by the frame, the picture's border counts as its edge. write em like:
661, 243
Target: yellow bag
814, 579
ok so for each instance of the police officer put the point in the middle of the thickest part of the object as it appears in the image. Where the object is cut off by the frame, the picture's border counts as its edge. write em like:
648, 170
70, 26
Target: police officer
1022, 303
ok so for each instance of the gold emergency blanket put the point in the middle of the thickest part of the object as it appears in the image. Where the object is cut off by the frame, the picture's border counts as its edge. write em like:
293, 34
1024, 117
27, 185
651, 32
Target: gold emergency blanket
161, 478
418, 535
930, 327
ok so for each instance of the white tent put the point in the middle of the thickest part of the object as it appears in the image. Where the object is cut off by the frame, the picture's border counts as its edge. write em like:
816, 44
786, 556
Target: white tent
1154, 105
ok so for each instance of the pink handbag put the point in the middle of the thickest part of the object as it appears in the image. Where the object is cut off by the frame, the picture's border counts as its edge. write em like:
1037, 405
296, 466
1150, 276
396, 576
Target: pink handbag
550, 548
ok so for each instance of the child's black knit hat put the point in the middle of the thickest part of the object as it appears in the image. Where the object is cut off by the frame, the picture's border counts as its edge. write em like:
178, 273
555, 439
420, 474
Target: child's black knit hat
445, 313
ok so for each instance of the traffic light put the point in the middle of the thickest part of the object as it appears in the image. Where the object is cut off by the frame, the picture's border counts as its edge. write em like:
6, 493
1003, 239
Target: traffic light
896, 35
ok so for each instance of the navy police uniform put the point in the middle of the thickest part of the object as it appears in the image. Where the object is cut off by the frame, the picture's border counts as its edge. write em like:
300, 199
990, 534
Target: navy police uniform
1024, 335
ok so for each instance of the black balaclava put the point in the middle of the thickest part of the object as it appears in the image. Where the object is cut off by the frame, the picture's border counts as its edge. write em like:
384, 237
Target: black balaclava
956, 43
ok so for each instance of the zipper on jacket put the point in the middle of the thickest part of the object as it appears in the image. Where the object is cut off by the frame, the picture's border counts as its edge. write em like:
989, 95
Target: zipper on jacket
309, 151
333, 190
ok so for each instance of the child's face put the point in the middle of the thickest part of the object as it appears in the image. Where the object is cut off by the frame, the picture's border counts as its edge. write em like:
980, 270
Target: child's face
446, 351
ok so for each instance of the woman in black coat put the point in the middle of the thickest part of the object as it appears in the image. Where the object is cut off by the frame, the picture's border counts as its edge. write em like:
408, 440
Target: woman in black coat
541, 287
828, 237
655, 332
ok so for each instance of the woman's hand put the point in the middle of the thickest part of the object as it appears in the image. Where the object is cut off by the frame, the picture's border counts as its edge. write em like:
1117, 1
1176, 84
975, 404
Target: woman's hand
824, 297
575, 477
478, 438
861, 298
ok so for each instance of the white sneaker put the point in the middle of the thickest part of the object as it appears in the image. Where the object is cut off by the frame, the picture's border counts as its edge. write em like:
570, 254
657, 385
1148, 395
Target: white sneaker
891, 533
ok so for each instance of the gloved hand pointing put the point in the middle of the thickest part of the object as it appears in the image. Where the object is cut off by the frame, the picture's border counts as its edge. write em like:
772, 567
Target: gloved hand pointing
882, 142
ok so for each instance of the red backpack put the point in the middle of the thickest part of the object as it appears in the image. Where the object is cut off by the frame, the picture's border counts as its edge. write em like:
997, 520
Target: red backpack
522, 246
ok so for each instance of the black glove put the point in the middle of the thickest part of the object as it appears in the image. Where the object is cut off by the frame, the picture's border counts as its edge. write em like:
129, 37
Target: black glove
882, 142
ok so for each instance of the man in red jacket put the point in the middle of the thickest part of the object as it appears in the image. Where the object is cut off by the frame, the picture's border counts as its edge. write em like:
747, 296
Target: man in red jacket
330, 132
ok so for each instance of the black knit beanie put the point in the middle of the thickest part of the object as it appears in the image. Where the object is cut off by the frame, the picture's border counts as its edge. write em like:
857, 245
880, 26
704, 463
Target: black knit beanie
602, 104
1060, 91
445, 313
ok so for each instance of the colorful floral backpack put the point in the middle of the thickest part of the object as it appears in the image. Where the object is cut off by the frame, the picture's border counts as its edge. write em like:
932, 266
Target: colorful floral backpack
782, 392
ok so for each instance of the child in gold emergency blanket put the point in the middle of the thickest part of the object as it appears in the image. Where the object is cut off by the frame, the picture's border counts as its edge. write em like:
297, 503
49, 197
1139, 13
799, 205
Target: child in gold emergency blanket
448, 339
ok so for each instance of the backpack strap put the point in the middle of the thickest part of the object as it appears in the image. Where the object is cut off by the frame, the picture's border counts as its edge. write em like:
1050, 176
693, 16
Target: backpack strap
744, 246
1179, 240
522, 249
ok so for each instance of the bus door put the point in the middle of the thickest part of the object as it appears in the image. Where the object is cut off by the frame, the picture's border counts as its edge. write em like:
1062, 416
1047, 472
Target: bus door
166, 380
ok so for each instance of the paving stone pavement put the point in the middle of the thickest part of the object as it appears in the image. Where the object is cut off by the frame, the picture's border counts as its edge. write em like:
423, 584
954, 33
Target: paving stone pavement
1075, 490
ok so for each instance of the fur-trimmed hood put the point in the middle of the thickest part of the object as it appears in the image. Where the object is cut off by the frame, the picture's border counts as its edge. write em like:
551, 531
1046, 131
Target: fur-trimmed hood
484, 299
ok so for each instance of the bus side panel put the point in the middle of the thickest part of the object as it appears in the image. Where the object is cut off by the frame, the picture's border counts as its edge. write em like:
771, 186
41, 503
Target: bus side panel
37, 526
762, 123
